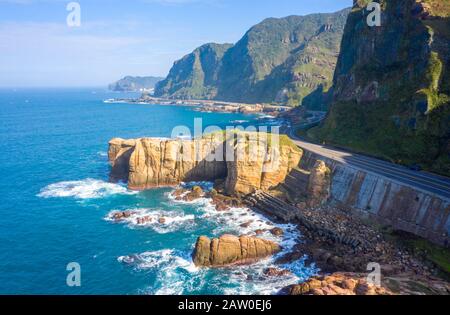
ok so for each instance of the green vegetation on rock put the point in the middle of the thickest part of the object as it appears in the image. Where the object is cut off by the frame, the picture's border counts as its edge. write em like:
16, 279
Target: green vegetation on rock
391, 87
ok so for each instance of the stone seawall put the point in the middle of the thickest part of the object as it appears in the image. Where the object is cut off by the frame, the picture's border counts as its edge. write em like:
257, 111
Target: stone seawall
386, 201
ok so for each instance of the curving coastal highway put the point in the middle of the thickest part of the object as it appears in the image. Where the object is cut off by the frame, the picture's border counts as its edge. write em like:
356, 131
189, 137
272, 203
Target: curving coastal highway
431, 183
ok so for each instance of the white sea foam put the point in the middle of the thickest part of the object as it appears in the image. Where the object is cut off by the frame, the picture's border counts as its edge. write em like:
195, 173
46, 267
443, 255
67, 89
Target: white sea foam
239, 121
175, 272
173, 220
84, 189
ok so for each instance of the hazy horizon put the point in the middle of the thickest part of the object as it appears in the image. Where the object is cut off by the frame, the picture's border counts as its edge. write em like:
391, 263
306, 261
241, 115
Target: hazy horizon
137, 38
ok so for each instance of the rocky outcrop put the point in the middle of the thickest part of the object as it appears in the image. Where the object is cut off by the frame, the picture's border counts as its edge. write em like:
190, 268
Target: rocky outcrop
319, 185
246, 163
342, 283
231, 250
149, 163
339, 284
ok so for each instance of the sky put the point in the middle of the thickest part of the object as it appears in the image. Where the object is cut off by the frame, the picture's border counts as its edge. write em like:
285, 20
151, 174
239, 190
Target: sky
117, 38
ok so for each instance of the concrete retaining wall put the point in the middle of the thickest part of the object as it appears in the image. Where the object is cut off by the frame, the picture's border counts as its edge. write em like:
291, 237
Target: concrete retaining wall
387, 201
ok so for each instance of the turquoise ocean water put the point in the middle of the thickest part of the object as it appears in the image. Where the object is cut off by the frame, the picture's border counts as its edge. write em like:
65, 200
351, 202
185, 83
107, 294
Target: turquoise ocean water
55, 202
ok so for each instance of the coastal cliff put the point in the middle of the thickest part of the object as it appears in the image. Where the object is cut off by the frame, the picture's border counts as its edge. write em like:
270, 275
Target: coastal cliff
246, 163
288, 60
391, 86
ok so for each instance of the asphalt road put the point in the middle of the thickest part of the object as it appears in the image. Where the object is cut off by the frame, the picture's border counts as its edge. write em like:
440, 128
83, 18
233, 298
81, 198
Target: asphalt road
428, 182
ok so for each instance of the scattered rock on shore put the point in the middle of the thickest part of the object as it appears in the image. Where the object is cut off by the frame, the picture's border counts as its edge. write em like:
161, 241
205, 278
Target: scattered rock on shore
274, 272
339, 284
121, 215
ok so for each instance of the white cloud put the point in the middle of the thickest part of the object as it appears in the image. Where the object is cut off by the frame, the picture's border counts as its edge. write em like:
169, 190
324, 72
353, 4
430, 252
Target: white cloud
53, 54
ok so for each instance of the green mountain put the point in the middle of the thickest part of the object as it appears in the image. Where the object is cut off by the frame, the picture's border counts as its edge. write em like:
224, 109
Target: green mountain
195, 76
391, 88
279, 60
134, 84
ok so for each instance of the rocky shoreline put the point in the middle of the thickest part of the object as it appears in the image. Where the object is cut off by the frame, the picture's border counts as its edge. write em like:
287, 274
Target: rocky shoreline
344, 247
208, 106
344, 268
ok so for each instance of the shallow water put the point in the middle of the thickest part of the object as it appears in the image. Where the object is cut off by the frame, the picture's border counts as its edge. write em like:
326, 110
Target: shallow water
56, 203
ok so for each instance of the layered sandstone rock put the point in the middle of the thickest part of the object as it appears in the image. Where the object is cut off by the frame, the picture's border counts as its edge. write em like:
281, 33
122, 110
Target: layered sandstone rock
149, 163
259, 167
319, 185
349, 283
339, 284
247, 163
231, 250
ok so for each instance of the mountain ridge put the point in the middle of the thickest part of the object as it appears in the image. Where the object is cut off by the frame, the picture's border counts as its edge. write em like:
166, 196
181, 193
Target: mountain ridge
280, 60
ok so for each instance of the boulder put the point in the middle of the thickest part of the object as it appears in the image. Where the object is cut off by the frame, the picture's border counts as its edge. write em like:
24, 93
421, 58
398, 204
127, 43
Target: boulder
230, 250
121, 215
339, 284
277, 232
162, 220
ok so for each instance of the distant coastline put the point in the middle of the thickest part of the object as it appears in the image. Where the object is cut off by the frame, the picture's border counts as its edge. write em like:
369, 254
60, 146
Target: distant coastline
207, 105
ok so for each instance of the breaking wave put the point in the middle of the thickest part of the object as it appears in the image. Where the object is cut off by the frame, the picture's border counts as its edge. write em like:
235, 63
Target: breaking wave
158, 220
175, 271
83, 189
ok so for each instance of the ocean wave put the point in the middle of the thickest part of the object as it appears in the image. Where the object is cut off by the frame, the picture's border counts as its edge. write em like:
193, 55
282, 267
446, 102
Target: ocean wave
83, 189
239, 121
160, 221
175, 272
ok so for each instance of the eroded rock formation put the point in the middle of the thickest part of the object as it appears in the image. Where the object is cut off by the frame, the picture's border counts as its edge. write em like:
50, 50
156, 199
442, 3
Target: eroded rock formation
339, 284
231, 250
149, 162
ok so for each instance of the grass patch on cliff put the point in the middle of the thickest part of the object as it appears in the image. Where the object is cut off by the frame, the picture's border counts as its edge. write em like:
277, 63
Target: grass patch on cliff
438, 255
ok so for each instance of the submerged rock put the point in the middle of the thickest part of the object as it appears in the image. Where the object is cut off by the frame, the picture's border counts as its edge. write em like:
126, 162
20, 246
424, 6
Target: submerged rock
231, 250
277, 231
122, 215
274, 272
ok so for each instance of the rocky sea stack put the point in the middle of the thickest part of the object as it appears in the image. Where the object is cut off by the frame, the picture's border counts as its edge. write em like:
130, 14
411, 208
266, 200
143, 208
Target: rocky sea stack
230, 250
246, 161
